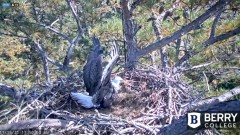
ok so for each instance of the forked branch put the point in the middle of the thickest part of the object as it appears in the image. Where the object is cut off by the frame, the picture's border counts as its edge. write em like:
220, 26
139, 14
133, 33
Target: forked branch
207, 43
192, 25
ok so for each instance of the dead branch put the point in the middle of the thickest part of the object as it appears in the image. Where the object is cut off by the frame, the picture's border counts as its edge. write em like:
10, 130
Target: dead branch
157, 29
75, 15
35, 104
12, 34
35, 124
44, 55
206, 79
5, 113
222, 37
214, 100
214, 25
201, 65
54, 22
207, 43
127, 130
55, 31
124, 122
45, 63
192, 25
156, 19
105, 120
135, 4
73, 43
141, 126
9, 91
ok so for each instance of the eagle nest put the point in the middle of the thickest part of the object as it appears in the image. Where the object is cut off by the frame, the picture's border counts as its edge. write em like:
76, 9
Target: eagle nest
148, 100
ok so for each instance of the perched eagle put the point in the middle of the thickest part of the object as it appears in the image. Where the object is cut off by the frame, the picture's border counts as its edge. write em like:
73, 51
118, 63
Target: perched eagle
92, 71
102, 90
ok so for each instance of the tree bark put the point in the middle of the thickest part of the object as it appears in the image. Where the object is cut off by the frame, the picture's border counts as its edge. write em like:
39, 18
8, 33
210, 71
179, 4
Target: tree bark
162, 51
130, 29
192, 25
35, 124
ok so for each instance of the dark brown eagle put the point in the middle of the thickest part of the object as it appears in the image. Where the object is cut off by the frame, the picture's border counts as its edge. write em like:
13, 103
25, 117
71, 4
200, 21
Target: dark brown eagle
102, 90
92, 71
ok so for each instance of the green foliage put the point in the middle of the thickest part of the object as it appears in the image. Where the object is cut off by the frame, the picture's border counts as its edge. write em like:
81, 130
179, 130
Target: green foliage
12, 53
108, 28
4, 101
102, 18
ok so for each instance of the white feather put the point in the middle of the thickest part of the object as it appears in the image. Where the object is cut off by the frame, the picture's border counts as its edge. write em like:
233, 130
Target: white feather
116, 83
84, 100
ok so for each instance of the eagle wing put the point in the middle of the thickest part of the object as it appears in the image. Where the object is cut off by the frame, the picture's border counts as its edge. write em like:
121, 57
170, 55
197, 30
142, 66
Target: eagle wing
105, 94
92, 71
114, 55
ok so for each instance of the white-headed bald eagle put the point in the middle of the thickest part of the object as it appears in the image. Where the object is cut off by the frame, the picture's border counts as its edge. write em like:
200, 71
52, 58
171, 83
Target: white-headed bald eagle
102, 90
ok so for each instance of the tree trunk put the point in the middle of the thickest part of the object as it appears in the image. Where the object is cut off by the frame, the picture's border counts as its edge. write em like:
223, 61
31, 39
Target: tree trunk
131, 55
130, 29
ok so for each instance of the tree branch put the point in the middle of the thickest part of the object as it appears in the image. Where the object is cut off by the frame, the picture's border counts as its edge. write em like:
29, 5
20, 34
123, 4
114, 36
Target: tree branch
73, 43
54, 22
69, 52
56, 32
68, 56
9, 91
192, 25
15, 35
222, 37
44, 55
157, 30
70, 4
212, 34
207, 43
35, 124
45, 63
206, 79
203, 104
201, 65
135, 4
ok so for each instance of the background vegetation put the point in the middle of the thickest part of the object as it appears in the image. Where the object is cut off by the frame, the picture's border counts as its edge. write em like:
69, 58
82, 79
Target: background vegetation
21, 26
177, 46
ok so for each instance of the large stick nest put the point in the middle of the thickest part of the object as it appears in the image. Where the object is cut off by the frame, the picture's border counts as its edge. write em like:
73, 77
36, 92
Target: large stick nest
148, 100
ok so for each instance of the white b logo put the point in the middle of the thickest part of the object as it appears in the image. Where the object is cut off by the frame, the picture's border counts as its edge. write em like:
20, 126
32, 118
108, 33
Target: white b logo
194, 120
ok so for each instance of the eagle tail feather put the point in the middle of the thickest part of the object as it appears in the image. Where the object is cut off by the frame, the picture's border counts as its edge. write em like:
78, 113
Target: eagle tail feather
84, 100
